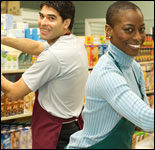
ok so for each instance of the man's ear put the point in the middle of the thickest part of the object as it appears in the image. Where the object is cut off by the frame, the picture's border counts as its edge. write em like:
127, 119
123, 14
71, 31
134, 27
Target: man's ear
67, 23
108, 31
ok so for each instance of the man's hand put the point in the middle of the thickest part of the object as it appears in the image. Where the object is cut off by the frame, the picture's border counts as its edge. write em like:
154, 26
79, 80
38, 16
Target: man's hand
25, 45
14, 91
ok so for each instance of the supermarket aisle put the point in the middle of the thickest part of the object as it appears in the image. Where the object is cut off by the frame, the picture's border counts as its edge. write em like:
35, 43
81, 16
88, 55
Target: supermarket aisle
16, 116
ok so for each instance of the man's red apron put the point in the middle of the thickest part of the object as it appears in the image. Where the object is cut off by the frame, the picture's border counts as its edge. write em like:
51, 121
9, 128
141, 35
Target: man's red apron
46, 128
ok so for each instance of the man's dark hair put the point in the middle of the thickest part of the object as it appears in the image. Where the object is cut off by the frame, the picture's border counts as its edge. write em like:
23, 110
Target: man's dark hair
66, 9
114, 9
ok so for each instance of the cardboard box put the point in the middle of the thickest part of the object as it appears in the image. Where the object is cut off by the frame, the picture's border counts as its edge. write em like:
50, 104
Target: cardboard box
3, 7
13, 7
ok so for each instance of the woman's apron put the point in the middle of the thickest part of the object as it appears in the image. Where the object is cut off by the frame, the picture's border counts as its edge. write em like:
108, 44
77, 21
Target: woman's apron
46, 128
121, 136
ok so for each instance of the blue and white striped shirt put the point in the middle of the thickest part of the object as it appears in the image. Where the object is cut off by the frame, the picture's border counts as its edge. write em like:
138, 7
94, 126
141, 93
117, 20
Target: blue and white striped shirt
111, 95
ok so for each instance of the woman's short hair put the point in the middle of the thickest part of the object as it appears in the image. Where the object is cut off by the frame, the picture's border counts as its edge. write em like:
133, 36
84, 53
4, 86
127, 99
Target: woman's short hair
114, 9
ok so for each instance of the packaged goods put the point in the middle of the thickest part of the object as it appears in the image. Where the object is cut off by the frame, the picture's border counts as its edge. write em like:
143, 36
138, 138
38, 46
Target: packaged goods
3, 108
33, 33
16, 33
14, 139
14, 107
29, 139
102, 49
20, 25
151, 100
88, 40
88, 53
147, 143
34, 58
4, 55
5, 140
29, 102
24, 61
96, 40
6, 21
8, 107
16, 136
94, 55
13, 7
23, 134
3, 7
21, 106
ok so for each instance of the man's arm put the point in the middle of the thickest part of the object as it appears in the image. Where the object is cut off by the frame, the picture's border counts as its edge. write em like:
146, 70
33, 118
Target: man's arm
14, 91
25, 45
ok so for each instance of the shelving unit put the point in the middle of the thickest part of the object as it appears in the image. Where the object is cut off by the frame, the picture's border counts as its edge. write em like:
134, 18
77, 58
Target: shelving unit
13, 71
150, 92
30, 114
16, 117
146, 62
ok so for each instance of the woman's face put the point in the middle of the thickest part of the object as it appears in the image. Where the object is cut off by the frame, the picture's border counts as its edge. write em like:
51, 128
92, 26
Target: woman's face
128, 31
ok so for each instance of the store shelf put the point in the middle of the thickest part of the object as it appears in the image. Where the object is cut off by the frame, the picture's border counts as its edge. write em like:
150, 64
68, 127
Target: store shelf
146, 62
13, 71
91, 68
16, 117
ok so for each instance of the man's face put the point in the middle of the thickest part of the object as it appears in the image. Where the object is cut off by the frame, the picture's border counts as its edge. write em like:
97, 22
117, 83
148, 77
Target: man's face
50, 24
128, 32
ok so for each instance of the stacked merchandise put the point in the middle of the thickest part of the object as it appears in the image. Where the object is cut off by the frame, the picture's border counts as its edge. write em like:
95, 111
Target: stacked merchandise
21, 106
151, 100
11, 59
147, 50
96, 47
16, 136
18, 29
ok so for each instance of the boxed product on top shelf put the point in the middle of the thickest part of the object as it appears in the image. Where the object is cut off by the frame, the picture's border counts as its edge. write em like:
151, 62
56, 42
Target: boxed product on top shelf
16, 136
18, 29
21, 106
10, 7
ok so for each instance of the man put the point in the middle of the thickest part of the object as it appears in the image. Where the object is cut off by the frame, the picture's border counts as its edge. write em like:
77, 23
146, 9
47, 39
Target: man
59, 75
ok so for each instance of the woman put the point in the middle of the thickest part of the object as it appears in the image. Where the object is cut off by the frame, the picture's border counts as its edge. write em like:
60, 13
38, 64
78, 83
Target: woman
115, 96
